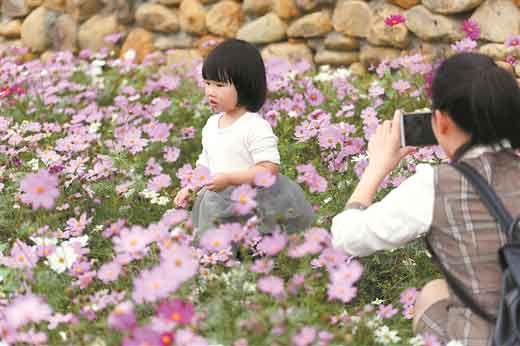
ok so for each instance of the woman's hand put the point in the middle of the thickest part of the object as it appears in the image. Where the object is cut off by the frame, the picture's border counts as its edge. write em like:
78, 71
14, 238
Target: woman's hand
384, 148
182, 197
219, 183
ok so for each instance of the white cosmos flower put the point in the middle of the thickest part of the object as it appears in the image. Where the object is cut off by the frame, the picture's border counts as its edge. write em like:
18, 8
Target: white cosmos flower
62, 259
417, 341
386, 336
43, 241
83, 240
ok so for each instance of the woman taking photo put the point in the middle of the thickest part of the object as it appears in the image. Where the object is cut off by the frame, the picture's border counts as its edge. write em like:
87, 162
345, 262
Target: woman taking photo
476, 119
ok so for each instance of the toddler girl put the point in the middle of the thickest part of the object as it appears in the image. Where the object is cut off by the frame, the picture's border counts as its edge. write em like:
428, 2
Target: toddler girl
238, 146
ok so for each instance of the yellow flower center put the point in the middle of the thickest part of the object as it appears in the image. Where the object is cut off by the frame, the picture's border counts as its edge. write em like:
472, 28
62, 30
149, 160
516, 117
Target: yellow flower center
178, 262
40, 189
176, 317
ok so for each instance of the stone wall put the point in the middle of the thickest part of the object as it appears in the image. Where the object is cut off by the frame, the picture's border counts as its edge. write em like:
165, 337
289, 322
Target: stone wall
323, 31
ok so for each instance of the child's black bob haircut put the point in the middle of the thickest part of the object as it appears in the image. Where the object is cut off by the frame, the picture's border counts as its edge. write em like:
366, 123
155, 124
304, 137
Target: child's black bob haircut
482, 98
238, 62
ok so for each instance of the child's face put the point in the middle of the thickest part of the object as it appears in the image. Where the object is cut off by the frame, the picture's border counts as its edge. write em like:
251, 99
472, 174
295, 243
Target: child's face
222, 97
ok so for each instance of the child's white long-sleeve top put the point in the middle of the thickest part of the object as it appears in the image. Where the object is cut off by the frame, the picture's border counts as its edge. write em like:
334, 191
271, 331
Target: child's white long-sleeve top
248, 141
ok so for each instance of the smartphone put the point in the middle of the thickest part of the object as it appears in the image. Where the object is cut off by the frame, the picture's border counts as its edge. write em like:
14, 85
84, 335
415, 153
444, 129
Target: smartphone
416, 129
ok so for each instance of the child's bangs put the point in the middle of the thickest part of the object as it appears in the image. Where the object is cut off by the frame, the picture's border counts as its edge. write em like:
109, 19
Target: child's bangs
216, 71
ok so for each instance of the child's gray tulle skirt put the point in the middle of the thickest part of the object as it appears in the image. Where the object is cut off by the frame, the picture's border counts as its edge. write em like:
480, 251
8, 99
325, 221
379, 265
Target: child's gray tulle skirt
281, 204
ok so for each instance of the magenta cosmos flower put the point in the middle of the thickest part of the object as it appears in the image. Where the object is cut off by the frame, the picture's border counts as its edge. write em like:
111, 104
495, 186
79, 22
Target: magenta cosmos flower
176, 310
394, 19
40, 189
471, 29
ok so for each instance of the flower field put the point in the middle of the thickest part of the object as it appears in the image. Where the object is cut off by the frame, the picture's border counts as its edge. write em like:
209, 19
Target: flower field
94, 252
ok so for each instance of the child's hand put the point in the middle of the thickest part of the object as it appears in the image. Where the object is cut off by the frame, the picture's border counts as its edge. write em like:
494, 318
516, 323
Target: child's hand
182, 197
219, 183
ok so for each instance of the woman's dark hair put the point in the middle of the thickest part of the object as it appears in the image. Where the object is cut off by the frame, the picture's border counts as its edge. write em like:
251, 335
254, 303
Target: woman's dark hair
482, 98
238, 62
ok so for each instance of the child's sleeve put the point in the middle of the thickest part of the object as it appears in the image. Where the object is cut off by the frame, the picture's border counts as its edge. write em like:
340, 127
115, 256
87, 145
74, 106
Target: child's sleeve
203, 156
262, 142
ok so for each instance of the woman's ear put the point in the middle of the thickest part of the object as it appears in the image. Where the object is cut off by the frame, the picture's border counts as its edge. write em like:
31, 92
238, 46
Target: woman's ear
442, 122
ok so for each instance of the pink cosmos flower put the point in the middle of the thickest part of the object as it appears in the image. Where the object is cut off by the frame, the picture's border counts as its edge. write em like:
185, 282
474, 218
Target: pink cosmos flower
330, 137
272, 245
318, 235
243, 196
171, 154
408, 312
185, 174
305, 337
464, 45
471, 28
265, 179
296, 281
401, 86
181, 261
430, 340
176, 310
408, 296
387, 311
263, 266
314, 97
39, 190
333, 258
241, 342
22, 256
272, 285
348, 274
152, 167
310, 176
122, 317
109, 272
57, 319
185, 337
25, 309
513, 41
201, 176
341, 292
394, 19
159, 182
154, 284
216, 239
188, 132
114, 228
511, 60
272, 117
143, 336
132, 241
76, 227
